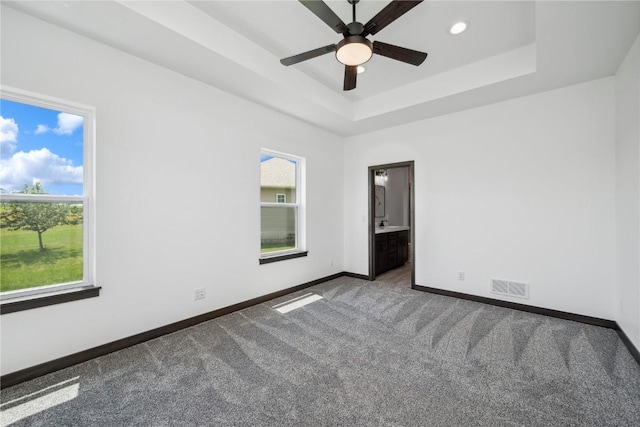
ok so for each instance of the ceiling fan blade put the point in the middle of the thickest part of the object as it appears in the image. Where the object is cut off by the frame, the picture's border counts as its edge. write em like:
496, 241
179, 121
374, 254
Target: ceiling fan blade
328, 16
398, 53
390, 13
308, 55
350, 73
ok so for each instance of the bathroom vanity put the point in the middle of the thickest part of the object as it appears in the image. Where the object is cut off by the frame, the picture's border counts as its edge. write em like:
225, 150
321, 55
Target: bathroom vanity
392, 247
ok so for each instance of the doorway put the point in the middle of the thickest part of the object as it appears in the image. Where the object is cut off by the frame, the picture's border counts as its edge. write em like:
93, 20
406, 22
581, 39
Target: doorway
392, 221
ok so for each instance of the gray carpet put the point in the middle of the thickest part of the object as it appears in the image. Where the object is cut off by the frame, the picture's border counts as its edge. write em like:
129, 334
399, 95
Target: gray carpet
367, 354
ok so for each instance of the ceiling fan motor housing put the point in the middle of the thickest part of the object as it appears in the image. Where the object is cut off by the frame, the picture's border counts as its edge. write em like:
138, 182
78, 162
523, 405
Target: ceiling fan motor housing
355, 28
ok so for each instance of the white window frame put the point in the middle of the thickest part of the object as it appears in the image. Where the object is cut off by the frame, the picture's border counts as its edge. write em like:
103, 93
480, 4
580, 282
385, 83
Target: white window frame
284, 197
88, 188
299, 205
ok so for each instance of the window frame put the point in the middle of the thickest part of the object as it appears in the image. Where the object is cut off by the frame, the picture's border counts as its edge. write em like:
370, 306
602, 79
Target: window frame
284, 197
23, 299
299, 209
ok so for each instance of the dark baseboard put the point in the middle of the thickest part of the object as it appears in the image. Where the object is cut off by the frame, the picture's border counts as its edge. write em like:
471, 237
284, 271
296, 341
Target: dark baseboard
17, 377
522, 307
543, 311
632, 348
356, 276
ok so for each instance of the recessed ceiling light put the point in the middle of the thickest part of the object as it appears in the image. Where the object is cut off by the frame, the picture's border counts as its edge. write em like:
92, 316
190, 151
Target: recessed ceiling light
458, 28
361, 69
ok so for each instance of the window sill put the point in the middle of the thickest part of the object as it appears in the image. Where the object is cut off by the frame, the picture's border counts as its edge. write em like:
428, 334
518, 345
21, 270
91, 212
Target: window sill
42, 300
283, 257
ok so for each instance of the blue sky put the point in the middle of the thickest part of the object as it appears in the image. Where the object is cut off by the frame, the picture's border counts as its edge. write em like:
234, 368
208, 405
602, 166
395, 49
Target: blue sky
37, 144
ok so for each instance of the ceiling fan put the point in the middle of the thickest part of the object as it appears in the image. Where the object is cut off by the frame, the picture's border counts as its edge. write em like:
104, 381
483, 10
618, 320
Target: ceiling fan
355, 49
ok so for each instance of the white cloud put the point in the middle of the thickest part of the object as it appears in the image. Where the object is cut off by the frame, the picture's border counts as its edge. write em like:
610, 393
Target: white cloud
8, 136
42, 129
67, 123
37, 165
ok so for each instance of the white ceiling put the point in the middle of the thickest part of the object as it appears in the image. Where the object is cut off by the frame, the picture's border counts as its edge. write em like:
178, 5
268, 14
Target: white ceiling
292, 29
511, 49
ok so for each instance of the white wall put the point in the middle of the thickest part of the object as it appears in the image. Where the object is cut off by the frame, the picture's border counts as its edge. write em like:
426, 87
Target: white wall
521, 190
177, 193
628, 192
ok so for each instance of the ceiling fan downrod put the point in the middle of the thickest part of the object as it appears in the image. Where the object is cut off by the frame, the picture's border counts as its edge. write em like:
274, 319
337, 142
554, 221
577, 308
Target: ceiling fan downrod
355, 27
353, 4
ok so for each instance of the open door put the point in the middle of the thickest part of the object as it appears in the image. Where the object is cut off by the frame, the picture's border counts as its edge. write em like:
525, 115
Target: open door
382, 252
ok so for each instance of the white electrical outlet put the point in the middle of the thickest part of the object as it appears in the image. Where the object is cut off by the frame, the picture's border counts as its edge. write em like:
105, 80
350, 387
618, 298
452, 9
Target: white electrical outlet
199, 293
461, 275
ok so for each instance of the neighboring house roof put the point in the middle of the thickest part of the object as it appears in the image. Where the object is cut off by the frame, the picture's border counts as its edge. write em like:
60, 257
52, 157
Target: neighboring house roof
277, 172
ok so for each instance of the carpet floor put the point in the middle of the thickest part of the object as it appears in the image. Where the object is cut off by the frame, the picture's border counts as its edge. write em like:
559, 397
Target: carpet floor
365, 354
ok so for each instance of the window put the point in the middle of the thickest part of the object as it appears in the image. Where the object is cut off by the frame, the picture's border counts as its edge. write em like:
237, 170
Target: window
46, 196
282, 221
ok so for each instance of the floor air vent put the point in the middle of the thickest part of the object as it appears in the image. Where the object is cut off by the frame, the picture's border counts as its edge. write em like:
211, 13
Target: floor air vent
507, 287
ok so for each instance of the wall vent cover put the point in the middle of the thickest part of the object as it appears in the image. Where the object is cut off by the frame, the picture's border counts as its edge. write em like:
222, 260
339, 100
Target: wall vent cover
510, 288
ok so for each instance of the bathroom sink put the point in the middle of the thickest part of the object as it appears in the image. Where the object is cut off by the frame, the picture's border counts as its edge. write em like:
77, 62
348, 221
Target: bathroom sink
390, 228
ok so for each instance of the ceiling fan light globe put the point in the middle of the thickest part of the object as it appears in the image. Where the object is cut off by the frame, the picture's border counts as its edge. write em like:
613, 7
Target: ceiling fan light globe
354, 50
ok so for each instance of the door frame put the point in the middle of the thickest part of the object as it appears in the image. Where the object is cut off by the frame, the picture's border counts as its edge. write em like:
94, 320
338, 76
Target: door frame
372, 219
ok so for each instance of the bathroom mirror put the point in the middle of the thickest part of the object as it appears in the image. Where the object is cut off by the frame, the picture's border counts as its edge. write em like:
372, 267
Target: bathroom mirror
379, 202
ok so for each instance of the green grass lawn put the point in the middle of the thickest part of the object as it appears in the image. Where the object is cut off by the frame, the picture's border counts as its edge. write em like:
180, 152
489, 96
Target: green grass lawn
23, 265
278, 248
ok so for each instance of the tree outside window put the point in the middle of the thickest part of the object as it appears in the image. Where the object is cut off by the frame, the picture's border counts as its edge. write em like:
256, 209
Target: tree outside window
43, 195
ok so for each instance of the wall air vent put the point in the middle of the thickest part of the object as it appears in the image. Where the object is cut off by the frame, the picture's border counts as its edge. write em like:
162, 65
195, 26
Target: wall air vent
509, 288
